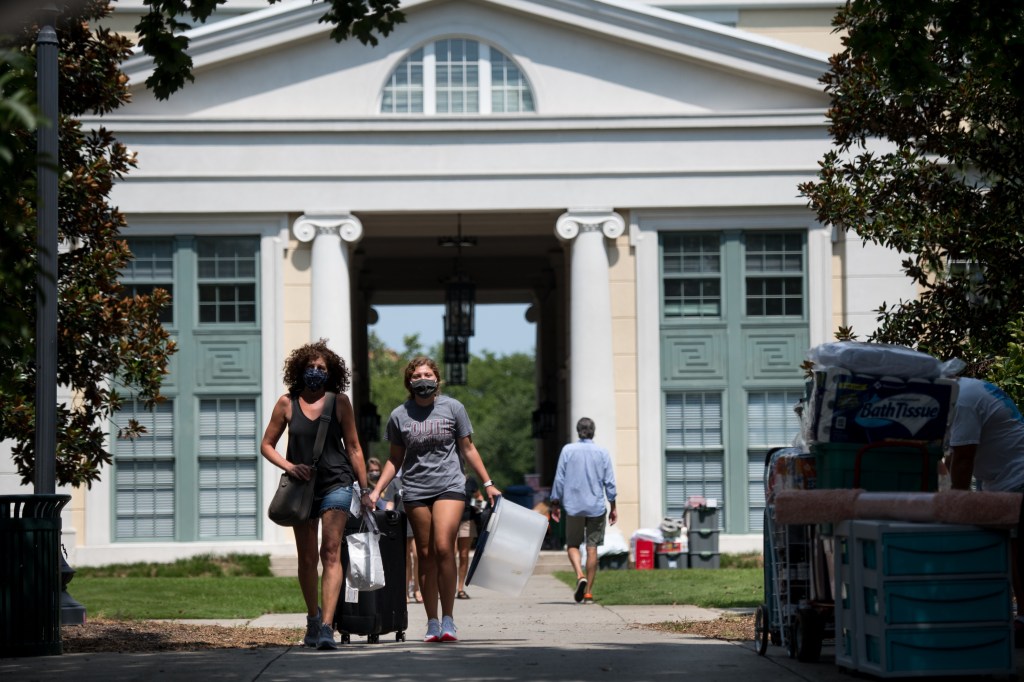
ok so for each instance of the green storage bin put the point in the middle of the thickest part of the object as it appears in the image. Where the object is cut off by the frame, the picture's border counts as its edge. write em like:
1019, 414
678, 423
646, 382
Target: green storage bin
705, 560
702, 518
946, 601
703, 540
942, 651
941, 553
883, 467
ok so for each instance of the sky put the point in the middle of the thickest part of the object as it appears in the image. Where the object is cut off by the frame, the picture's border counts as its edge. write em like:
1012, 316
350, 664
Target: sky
500, 328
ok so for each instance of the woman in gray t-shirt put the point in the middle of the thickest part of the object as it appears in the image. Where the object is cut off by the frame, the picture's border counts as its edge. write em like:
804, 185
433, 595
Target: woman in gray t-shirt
431, 436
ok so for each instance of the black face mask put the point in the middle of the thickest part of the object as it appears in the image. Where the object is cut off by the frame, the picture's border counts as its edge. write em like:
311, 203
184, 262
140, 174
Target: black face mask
424, 388
373, 476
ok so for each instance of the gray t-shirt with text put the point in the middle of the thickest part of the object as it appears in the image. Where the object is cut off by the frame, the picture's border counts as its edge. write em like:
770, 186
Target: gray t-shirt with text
433, 464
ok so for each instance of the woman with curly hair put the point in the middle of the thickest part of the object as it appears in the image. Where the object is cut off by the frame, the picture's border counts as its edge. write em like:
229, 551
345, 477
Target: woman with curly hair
431, 438
310, 372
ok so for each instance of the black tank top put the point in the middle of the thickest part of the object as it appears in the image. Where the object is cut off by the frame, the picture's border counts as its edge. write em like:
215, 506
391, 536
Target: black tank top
334, 470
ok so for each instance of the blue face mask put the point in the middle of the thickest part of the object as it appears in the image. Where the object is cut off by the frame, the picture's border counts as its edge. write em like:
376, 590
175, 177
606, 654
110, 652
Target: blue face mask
314, 377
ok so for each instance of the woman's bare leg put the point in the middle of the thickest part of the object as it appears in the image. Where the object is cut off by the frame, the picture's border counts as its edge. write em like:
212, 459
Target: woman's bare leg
330, 556
309, 559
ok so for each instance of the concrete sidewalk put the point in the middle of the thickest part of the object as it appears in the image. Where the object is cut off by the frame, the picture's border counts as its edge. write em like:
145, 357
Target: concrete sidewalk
540, 635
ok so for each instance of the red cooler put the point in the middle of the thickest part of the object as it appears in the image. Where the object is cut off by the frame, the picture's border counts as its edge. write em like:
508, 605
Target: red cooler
643, 551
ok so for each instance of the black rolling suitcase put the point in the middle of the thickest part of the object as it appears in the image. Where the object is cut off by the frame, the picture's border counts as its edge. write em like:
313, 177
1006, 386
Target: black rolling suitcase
382, 611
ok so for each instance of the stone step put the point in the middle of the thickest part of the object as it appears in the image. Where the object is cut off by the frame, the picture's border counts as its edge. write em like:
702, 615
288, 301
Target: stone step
283, 565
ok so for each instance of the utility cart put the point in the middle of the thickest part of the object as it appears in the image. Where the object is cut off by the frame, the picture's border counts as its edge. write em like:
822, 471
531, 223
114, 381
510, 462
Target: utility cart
799, 608
797, 613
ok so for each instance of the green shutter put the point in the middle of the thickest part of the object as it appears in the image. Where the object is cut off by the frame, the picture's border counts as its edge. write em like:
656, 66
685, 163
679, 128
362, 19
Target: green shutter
196, 475
733, 325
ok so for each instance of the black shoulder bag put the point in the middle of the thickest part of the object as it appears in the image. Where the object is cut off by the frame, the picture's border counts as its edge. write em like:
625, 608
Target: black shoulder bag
294, 498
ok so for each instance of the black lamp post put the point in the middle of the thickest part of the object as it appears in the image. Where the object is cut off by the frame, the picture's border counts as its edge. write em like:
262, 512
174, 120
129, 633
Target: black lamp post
46, 246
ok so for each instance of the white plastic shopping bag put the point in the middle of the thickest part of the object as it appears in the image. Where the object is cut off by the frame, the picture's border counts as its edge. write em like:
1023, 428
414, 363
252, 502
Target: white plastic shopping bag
351, 594
355, 507
365, 566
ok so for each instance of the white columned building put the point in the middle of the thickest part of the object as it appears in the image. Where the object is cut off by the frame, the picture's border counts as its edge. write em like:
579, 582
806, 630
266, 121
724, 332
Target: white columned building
591, 385
331, 295
582, 113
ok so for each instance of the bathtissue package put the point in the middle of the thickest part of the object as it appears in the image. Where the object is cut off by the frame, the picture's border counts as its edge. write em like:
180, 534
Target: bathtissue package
857, 408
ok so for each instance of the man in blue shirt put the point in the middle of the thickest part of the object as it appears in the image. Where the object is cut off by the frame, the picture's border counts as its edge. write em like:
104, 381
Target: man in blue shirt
583, 480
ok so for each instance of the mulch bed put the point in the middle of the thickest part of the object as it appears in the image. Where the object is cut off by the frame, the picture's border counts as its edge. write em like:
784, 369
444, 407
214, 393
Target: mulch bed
131, 636
135, 636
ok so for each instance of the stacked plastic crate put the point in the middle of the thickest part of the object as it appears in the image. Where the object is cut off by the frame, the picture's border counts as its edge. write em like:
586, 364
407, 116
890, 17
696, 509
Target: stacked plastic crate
702, 537
922, 599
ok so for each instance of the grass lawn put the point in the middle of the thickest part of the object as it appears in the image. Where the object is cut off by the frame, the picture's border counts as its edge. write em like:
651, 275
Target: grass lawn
208, 586
240, 586
201, 597
720, 588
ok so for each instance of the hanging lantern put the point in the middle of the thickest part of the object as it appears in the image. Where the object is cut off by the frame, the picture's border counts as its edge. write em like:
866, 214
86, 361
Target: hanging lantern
544, 419
456, 349
456, 373
459, 299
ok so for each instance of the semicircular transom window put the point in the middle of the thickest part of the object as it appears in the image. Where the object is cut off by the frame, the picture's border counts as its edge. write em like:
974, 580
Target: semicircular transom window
456, 76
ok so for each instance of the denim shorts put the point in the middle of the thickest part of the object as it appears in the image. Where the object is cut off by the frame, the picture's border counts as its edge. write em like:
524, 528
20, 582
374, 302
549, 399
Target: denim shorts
339, 498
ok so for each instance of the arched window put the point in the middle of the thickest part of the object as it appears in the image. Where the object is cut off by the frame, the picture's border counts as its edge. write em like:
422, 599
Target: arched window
456, 76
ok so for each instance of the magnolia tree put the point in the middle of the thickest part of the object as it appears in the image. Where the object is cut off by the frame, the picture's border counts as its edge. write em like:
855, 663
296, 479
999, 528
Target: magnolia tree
927, 120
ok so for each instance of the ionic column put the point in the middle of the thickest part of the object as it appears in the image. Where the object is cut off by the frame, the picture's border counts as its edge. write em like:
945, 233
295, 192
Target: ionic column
591, 368
331, 295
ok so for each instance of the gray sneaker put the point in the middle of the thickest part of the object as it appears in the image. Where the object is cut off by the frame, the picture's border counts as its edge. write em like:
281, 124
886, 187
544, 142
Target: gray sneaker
448, 630
312, 630
326, 640
433, 631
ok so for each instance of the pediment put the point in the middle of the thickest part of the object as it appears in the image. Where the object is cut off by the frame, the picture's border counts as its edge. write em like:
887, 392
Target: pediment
582, 58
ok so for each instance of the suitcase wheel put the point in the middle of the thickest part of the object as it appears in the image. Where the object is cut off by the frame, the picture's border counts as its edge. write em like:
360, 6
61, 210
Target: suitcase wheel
400, 636
345, 638
373, 639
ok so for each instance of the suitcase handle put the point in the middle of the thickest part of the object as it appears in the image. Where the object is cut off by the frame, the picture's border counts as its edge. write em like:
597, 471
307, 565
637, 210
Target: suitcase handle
920, 444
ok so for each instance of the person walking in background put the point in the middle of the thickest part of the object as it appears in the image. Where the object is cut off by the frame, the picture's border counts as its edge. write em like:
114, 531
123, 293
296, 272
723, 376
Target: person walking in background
373, 468
467, 532
431, 436
310, 372
584, 479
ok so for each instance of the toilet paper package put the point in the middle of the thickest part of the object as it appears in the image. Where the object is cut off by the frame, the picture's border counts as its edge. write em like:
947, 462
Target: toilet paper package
857, 408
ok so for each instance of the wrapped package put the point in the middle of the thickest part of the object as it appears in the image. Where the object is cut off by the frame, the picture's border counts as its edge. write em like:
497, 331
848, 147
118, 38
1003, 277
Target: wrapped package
857, 408
791, 469
876, 359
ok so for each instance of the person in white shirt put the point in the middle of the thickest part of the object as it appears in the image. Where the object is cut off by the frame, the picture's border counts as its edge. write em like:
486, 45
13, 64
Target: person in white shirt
987, 439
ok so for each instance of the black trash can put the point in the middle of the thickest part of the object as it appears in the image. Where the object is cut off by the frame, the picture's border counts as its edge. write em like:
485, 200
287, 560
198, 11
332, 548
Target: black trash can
30, 580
